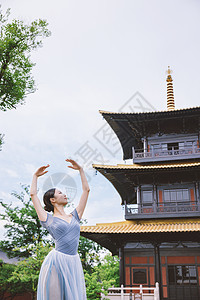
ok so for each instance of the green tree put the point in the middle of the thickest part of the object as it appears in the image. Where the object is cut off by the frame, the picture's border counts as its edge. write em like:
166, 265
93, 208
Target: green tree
6, 271
103, 276
23, 228
94, 286
109, 269
89, 253
17, 40
24, 277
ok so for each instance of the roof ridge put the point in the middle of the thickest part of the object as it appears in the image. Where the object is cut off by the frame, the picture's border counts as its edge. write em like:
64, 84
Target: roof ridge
136, 227
147, 112
147, 222
152, 166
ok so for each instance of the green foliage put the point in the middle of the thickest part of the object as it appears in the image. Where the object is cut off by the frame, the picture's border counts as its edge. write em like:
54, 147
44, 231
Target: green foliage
1, 140
103, 276
109, 269
25, 276
93, 286
89, 253
23, 228
5, 273
17, 40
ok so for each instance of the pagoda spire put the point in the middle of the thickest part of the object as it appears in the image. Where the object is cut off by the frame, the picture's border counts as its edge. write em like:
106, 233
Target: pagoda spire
170, 92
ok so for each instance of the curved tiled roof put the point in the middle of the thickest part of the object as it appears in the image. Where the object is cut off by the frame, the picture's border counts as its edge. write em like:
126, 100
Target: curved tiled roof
125, 177
149, 112
131, 127
147, 167
138, 227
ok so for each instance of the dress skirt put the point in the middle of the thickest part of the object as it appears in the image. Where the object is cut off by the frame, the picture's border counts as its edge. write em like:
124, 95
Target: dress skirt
61, 278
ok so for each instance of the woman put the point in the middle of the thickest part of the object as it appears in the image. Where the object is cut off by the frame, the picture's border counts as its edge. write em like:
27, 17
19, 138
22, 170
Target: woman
61, 275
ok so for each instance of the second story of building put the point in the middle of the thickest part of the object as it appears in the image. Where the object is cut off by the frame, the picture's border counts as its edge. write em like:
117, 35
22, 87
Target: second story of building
156, 191
158, 136
168, 147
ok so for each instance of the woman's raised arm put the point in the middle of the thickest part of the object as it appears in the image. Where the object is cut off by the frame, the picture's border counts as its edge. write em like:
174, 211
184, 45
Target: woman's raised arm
83, 200
42, 214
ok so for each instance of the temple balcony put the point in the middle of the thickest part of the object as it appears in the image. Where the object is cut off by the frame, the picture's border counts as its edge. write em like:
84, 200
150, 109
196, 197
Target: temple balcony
154, 155
162, 210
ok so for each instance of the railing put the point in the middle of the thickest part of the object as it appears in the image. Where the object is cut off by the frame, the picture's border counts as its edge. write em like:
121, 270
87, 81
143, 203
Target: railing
160, 208
159, 153
133, 293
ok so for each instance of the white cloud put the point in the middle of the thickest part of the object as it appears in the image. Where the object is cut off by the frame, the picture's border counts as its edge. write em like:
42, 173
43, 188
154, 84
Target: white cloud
5, 195
30, 168
12, 173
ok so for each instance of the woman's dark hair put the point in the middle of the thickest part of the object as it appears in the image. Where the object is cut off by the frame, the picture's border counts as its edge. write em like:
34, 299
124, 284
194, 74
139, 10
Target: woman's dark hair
46, 198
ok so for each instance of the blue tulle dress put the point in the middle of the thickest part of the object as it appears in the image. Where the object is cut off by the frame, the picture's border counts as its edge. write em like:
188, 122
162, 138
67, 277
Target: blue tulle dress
61, 275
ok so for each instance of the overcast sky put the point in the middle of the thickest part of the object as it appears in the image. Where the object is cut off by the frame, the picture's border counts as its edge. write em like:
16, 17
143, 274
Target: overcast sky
100, 54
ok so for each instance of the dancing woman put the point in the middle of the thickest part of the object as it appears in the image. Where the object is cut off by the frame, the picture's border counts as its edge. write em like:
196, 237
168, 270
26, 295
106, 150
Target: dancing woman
61, 275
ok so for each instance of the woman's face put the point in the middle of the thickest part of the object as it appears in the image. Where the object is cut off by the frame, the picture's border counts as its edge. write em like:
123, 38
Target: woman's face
60, 198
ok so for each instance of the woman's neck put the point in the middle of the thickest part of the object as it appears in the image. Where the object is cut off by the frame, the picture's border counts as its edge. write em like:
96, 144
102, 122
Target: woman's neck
59, 211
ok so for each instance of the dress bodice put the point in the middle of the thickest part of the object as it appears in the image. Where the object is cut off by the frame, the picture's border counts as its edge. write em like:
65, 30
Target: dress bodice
66, 235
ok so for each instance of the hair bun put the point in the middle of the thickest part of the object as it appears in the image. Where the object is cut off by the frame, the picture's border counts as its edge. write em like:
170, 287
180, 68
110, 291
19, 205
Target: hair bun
47, 208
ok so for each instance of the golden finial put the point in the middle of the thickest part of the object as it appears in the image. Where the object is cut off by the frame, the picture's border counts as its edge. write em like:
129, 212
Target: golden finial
169, 71
170, 92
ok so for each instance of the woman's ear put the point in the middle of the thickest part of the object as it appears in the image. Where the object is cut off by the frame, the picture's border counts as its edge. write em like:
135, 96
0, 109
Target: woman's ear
52, 200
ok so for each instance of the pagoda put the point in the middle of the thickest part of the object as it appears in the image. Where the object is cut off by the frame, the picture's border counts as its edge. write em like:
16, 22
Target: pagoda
159, 241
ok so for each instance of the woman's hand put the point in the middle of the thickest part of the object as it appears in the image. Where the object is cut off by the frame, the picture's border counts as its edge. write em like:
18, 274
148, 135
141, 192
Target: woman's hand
75, 165
41, 171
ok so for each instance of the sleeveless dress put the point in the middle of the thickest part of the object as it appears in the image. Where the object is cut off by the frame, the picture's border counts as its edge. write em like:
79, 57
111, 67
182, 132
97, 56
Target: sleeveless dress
61, 275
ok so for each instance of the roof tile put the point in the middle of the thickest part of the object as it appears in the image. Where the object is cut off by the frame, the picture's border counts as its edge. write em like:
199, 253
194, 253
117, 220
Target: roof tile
142, 167
144, 227
147, 112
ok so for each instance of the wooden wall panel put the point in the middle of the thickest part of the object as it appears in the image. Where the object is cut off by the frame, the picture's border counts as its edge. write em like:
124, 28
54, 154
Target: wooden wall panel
163, 260
151, 260
127, 260
181, 260
138, 260
152, 276
127, 276
160, 195
192, 197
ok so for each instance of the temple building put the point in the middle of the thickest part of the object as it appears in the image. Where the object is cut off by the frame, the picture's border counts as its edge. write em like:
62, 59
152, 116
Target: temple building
159, 241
